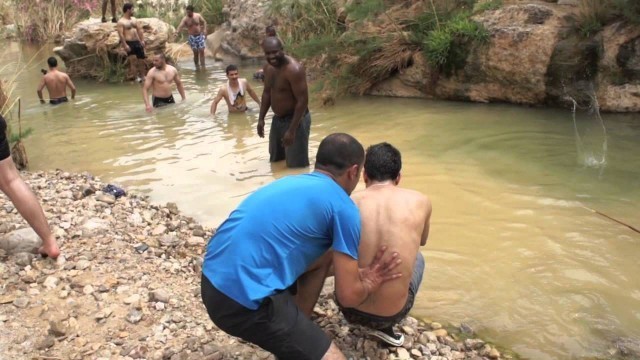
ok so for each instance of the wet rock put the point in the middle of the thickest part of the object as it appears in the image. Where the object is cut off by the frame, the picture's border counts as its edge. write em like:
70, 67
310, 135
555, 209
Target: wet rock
440, 333
466, 329
24, 240
494, 354
436, 326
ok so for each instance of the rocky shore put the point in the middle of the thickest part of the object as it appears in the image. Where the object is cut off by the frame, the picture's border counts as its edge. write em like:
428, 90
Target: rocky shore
128, 287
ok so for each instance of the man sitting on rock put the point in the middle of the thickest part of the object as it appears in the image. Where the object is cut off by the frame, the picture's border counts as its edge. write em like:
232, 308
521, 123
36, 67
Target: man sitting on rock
234, 92
398, 219
265, 266
22, 198
56, 83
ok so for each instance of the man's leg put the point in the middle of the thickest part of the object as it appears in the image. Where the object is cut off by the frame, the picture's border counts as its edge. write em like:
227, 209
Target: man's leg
113, 10
195, 56
310, 283
297, 154
333, 353
104, 10
27, 205
201, 53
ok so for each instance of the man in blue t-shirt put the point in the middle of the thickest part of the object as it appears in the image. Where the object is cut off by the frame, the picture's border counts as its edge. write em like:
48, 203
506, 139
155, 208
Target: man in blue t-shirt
266, 264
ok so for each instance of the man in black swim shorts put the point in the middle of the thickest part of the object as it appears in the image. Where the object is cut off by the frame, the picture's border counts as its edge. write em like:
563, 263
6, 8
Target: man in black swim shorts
56, 83
160, 101
132, 40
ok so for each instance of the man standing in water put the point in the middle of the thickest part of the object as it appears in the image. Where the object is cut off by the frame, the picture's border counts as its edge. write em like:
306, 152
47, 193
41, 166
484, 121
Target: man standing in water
398, 219
234, 92
197, 28
285, 92
132, 40
266, 264
104, 10
160, 78
22, 198
56, 83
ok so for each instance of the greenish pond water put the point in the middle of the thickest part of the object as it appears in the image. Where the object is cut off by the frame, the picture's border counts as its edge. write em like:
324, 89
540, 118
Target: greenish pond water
514, 250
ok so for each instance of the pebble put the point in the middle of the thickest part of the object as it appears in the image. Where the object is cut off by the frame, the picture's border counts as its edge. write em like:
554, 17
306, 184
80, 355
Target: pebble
134, 316
159, 295
21, 302
50, 282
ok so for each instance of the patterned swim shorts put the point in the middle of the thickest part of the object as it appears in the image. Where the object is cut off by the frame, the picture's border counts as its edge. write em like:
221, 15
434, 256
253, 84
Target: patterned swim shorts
197, 41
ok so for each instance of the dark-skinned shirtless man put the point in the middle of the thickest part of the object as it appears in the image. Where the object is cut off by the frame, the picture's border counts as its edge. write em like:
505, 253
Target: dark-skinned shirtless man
286, 93
56, 83
159, 79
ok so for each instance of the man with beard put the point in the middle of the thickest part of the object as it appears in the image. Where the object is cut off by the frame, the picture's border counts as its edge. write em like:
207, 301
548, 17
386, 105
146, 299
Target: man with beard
286, 93
160, 78
234, 92
197, 28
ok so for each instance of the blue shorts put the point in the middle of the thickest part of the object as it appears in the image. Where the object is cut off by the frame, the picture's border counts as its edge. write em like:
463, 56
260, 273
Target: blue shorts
197, 41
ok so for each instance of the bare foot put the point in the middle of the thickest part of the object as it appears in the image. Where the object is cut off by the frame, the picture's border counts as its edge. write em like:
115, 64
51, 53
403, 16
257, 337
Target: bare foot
49, 250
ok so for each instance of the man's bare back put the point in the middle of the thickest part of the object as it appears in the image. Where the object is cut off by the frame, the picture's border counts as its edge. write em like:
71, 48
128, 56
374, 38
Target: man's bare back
56, 83
399, 219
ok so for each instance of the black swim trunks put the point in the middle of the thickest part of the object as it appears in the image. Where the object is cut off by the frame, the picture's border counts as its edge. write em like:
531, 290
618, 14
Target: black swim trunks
4, 142
277, 326
297, 154
135, 48
159, 102
59, 100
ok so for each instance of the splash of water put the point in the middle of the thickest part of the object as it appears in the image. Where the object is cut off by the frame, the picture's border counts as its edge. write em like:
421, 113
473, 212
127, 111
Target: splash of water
588, 157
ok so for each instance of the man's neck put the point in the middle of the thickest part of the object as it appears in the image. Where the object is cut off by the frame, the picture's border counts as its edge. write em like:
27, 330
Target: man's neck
333, 177
376, 184
234, 83
127, 16
53, 69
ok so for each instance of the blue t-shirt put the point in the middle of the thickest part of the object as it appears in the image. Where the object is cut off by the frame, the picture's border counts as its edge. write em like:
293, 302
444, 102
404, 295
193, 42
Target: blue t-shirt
276, 233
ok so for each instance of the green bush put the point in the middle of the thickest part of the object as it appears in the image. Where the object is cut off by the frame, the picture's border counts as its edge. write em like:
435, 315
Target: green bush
488, 5
365, 9
437, 46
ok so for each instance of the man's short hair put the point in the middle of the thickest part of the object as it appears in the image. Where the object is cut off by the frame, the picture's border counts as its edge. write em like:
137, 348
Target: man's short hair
272, 39
162, 55
190, 8
270, 29
338, 152
383, 162
231, 68
126, 7
52, 61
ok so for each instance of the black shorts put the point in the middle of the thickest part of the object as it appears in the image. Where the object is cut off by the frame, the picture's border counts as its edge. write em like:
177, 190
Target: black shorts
158, 101
135, 48
57, 101
277, 326
296, 155
4, 142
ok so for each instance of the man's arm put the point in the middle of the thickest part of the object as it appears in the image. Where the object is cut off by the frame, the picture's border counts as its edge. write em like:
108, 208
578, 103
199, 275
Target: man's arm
122, 38
266, 100
140, 33
298, 81
179, 29
40, 87
427, 223
214, 103
147, 84
179, 84
252, 93
72, 87
354, 284
203, 23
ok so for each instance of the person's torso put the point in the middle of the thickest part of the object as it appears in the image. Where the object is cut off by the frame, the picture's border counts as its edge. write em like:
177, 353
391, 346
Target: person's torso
237, 95
56, 83
274, 236
129, 29
162, 81
393, 217
193, 24
283, 101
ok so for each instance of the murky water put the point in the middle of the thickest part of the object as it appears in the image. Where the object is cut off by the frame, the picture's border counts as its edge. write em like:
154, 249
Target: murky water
515, 249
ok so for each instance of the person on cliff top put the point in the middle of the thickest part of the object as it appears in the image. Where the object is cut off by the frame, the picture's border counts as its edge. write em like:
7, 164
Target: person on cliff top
234, 92
132, 40
197, 28
159, 79
398, 219
113, 10
56, 83
285, 92
265, 266
23, 198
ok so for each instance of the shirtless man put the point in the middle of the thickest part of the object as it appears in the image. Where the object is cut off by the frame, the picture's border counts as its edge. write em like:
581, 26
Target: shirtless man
160, 78
57, 83
132, 40
285, 92
234, 92
197, 28
399, 219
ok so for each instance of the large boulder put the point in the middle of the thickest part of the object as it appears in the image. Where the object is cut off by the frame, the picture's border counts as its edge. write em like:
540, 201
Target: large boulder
244, 29
92, 49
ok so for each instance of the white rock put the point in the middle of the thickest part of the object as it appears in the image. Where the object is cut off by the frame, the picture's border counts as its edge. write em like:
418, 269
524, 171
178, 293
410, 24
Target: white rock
50, 282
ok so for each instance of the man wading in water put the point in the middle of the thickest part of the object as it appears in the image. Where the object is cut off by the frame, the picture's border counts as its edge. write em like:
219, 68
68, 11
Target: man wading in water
160, 78
286, 93
197, 27
56, 83
234, 92
132, 41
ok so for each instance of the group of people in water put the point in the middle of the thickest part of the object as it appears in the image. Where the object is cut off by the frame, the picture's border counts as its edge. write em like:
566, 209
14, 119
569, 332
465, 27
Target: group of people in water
266, 264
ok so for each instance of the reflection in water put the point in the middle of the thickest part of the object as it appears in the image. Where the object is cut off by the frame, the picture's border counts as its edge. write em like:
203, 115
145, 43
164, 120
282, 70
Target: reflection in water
513, 252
